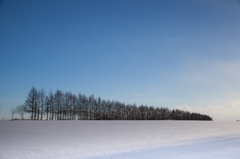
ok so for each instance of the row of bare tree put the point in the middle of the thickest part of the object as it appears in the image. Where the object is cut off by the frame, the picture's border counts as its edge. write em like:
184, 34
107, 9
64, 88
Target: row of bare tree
68, 106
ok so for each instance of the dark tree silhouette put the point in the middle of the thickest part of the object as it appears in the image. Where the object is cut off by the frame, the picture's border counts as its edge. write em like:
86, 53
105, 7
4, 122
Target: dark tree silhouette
68, 106
32, 102
42, 95
47, 106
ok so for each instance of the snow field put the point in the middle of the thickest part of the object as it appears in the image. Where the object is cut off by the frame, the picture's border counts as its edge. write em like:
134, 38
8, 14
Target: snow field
119, 139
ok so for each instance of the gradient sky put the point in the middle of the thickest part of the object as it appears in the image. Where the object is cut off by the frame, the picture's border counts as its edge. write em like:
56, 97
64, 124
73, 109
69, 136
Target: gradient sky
170, 53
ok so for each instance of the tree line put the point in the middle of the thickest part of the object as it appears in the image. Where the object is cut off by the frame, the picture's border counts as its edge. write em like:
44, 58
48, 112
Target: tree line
68, 106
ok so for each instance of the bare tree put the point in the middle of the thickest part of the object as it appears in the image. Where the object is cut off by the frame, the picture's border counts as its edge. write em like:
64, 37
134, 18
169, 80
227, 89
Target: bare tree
32, 102
42, 95
13, 111
62, 106
21, 110
51, 105
47, 106
58, 99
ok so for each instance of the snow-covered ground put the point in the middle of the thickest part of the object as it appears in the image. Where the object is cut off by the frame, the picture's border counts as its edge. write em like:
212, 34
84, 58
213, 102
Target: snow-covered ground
120, 139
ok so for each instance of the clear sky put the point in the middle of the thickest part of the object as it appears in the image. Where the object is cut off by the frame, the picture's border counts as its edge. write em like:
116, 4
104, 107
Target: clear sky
181, 54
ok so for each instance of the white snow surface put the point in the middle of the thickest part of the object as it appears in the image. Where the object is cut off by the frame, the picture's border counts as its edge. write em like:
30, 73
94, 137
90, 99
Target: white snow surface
119, 139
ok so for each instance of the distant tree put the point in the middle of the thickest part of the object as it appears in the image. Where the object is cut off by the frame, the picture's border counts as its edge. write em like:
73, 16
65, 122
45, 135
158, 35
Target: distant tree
91, 106
51, 105
47, 106
80, 106
141, 110
32, 103
74, 107
173, 114
103, 108
13, 111
68, 106
58, 99
21, 110
42, 95
98, 109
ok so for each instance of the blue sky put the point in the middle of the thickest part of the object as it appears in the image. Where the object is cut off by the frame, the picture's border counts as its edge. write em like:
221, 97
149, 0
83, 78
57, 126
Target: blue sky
177, 54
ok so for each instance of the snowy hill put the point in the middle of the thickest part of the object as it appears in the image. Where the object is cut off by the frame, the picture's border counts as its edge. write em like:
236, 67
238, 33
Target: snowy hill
119, 139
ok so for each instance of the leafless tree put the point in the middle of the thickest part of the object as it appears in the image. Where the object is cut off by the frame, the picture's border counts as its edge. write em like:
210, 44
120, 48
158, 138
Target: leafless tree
51, 105
42, 95
58, 99
21, 110
32, 103
62, 106
13, 111
47, 106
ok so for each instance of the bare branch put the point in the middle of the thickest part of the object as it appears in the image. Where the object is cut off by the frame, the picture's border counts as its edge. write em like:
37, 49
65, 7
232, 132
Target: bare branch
13, 111
21, 110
